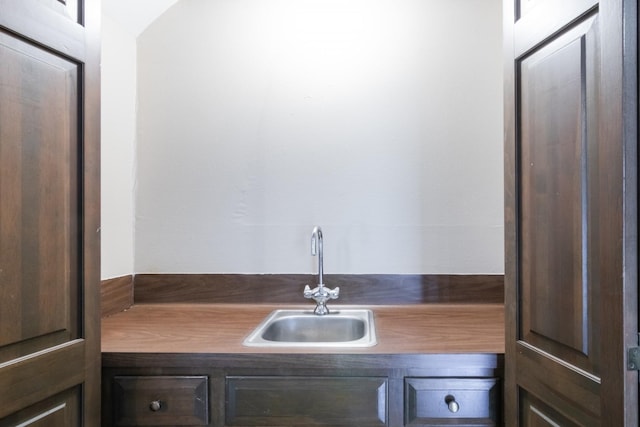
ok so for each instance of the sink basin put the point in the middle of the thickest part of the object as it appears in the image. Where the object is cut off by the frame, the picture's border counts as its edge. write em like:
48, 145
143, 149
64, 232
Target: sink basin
303, 328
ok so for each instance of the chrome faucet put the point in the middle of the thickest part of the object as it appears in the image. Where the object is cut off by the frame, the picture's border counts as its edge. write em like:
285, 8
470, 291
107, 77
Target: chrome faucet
320, 294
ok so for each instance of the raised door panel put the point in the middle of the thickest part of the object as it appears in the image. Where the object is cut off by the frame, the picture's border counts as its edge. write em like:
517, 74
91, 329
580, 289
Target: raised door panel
61, 410
39, 197
306, 401
556, 148
537, 414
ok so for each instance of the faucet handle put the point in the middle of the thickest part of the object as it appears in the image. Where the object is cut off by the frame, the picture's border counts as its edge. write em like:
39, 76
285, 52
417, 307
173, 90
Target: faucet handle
321, 292
308, 293
334, 293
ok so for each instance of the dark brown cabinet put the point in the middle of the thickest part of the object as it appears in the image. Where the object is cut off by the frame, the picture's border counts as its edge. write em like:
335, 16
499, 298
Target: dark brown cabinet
294, 390
452, 401
160, 400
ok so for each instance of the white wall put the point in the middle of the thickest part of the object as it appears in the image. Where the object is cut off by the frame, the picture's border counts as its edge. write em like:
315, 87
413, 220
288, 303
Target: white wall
118, 137
380, 120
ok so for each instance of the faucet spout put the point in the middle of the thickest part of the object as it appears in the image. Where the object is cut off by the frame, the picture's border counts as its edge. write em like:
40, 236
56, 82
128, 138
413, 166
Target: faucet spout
317, 250
319, 294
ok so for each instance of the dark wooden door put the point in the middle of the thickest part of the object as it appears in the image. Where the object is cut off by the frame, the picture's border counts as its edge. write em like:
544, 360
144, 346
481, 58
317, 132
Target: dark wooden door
49, 213
571, 202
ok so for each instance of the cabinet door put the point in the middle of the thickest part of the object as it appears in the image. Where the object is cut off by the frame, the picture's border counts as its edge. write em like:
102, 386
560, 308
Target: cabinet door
49, 213
306, 401
571, 211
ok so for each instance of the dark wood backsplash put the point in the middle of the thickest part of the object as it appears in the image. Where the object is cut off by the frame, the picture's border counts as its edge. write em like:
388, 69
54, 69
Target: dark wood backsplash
116, 295
287, 288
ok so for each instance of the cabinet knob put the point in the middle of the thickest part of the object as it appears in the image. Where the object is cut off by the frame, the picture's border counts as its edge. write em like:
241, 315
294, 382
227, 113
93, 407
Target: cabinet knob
452, 404
155, 406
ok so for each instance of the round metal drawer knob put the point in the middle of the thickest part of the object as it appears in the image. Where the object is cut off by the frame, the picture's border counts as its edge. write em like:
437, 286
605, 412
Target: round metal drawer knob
155, 406
452, 404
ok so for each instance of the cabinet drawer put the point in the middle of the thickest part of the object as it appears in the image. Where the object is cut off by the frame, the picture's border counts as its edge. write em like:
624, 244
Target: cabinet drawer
306, 401
160, 400
452, 401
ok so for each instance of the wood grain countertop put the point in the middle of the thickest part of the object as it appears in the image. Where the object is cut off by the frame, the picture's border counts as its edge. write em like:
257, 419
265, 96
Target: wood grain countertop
221, 328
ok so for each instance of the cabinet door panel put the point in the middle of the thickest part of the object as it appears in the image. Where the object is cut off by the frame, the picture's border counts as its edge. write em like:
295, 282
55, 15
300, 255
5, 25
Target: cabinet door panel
61, 410
557, 155
160, 400
452, 401
306, 401
536, 413
39, 198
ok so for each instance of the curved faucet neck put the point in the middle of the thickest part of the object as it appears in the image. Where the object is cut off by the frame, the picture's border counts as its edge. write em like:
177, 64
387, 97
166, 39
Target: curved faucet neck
316, 249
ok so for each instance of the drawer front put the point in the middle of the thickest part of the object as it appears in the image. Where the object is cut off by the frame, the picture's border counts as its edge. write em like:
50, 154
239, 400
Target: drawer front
160, 400
306, 401
452, 401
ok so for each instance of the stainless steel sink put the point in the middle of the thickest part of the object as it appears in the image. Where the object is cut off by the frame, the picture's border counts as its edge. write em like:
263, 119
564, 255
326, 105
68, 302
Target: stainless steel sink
303, 328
